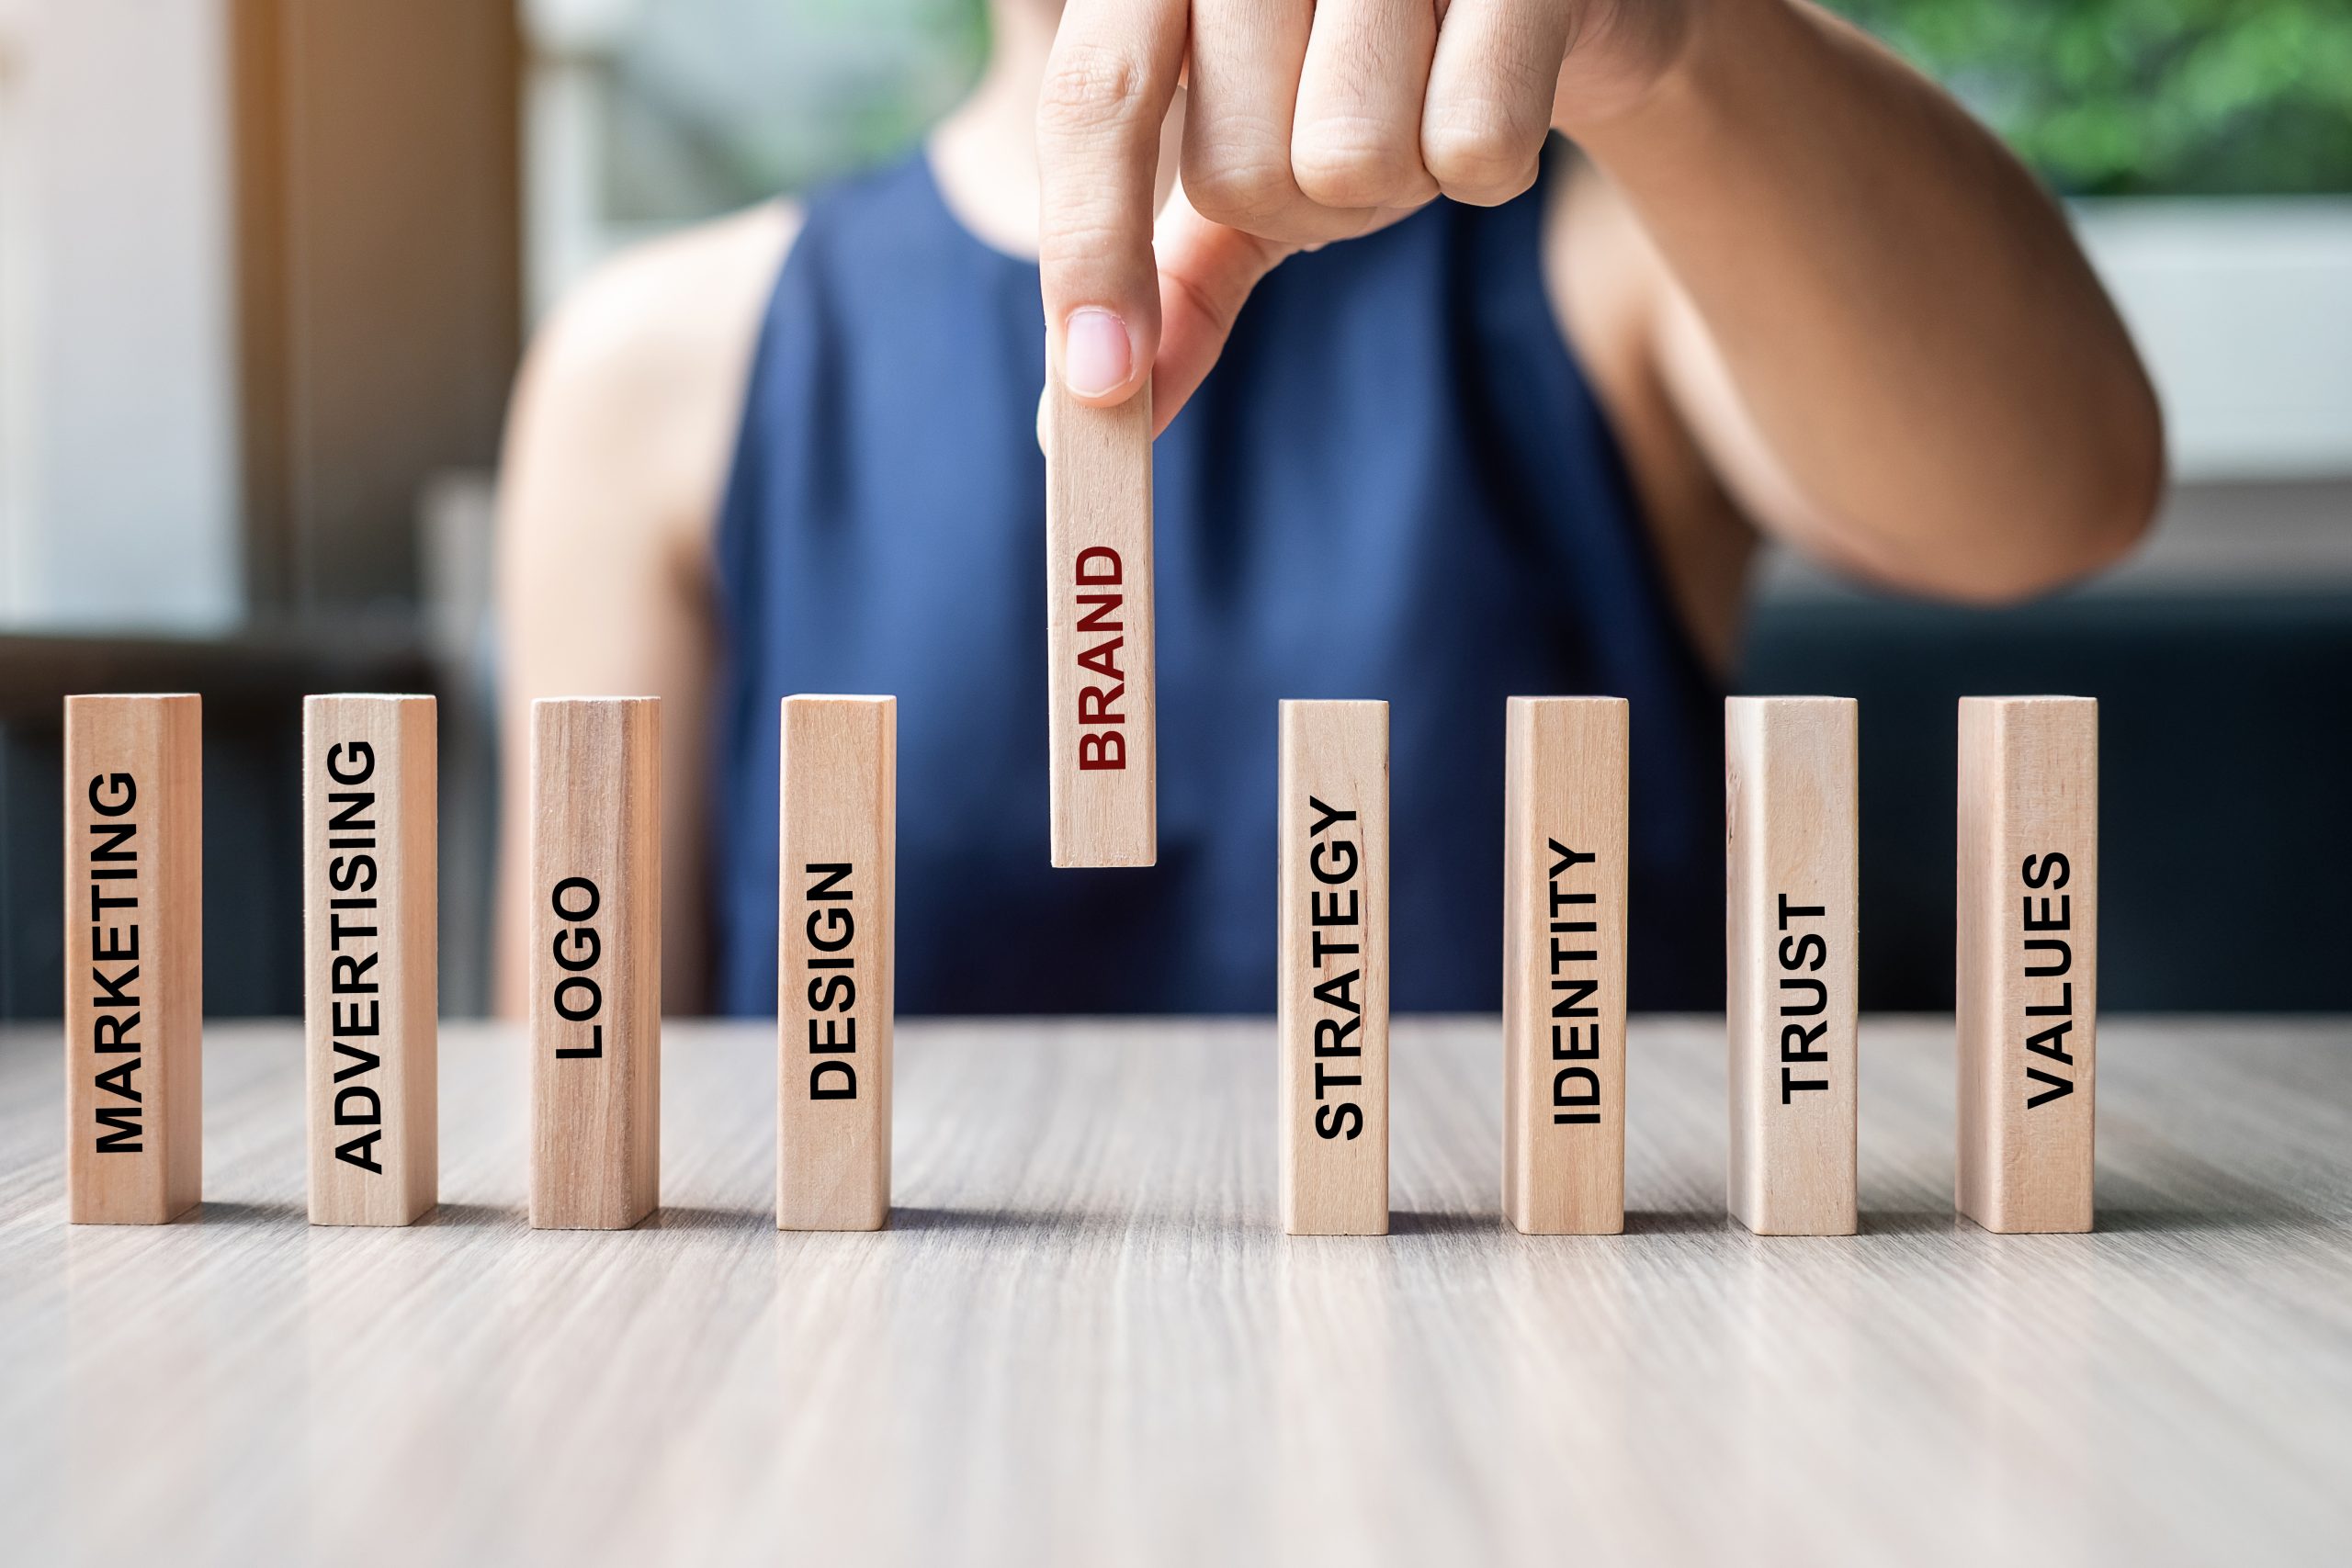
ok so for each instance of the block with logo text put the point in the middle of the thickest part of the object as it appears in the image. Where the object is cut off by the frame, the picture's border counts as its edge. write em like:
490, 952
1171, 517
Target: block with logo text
595, 1001
1105, 769
838, 896
134, 958
1563, 965
370, 895
2027, 999
1332, 974
1793, 865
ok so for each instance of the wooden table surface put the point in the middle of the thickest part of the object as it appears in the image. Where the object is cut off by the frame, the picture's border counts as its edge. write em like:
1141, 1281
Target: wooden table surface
1084, 1340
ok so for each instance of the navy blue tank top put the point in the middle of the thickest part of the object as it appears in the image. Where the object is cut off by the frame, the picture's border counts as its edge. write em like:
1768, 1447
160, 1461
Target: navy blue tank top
1396, 484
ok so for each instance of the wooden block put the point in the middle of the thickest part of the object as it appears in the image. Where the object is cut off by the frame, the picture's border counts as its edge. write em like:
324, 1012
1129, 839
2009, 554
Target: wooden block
2027, 980
596, 962
1333, 996
1564, 966
838, 895
1793, 890
1099, 643
134, 958
370, 935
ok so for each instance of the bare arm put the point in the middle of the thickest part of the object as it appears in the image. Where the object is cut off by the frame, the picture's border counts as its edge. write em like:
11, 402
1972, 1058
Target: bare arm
616, 451
1877, 329
1877, 326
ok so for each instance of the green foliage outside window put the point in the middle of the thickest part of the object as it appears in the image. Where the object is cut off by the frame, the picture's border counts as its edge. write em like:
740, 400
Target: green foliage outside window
721, 102
2130, 98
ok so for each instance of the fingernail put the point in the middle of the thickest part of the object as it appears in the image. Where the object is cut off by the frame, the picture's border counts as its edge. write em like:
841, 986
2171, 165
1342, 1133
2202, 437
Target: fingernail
1096, 355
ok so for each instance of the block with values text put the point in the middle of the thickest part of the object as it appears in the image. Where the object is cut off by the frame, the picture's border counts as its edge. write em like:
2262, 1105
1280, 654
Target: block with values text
1332, 974
134, 958
1105, 774
1792, 815
596, 1002
2026, 1001
838, 896
370, 896
1563, 965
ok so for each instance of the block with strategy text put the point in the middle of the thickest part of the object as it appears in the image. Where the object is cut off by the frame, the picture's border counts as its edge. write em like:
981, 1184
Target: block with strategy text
2026, 997
1105, 769
134, 958
595, 1003
837, 894
370, 894
1563, 965
1333, 968
1793, 889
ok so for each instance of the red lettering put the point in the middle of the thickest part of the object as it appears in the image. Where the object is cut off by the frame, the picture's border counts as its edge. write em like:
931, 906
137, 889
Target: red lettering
1094, 704
1102, 750
1102, 660
1099, 618
1103, 557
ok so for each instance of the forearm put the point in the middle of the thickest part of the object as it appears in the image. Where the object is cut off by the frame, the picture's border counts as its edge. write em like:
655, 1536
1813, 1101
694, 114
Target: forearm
1909, 325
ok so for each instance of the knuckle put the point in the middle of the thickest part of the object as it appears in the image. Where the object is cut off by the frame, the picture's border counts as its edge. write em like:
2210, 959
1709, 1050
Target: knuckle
1240, 190
1340, 162
1091, 87
1478, 153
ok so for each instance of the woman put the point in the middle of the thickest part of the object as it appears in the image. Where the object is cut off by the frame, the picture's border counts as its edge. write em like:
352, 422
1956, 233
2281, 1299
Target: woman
1523, 439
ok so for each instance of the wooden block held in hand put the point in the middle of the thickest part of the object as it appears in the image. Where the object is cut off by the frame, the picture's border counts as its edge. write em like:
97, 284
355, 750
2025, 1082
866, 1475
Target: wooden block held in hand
1791, 814
1333, 971
2027, 982
838, 897
596, 962
134, 958
1564, 966
1098, 642
370, 935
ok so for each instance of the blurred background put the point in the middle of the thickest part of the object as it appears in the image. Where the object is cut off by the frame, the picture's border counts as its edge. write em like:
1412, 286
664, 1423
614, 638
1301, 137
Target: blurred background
267, 267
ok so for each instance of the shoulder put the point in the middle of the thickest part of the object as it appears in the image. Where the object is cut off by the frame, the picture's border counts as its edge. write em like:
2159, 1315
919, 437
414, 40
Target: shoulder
671, 305
633, 381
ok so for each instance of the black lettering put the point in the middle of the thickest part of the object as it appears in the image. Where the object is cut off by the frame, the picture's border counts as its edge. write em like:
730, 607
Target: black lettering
1344, 1121
2060, 1088
343, 977
361, 1151
125, 1138
362, 1061
1798, 912
122, 787
578, 885
362, 753
2053, 873
577, 1013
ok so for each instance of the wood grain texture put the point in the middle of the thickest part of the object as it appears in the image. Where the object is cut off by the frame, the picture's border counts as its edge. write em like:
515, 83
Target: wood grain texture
370, 936
1332, 974
1793, 880
134, 957
596, 962
2027, 980
838, 896
1084, 1338
1563, 965
1099, 646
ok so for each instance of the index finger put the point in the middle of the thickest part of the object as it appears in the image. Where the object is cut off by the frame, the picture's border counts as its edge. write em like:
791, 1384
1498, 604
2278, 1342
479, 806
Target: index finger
1108, 84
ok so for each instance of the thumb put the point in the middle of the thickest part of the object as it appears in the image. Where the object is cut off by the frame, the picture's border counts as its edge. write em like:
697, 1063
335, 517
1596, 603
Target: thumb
1207, 272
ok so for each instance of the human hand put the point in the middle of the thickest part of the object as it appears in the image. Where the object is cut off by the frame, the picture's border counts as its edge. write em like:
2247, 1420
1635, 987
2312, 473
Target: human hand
1304, 123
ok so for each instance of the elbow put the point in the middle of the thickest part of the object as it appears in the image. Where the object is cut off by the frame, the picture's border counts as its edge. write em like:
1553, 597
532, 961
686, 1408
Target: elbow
2086, 507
